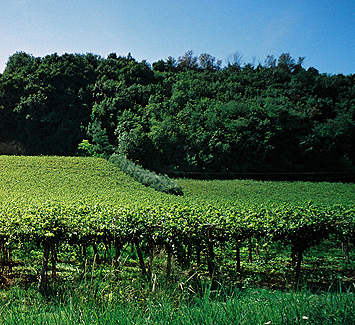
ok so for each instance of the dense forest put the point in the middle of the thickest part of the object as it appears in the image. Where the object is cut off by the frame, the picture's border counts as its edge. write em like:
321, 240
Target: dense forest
184, 114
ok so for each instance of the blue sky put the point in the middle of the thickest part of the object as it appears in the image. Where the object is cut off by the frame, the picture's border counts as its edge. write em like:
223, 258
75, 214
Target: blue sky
323, 31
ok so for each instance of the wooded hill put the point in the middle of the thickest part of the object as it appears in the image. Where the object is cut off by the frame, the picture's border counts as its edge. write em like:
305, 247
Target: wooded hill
188, 114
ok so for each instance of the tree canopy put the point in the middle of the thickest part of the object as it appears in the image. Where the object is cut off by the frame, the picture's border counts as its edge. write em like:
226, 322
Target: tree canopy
185, 114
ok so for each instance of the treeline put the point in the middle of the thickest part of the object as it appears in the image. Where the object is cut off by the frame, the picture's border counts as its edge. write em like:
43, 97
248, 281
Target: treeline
188, 114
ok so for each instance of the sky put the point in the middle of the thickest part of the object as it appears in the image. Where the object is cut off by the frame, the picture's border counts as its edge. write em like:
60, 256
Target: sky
322, 31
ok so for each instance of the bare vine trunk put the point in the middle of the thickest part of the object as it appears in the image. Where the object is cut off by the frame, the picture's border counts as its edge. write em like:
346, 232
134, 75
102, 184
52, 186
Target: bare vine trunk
140, 257
43, 279
237, 256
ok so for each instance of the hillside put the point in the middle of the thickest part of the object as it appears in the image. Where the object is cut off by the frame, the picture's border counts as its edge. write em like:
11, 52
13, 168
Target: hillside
78, 229
68, 180
71, 180
180, 115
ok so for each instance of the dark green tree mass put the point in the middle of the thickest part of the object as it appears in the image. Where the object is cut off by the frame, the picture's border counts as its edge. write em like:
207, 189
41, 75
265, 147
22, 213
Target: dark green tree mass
189, 114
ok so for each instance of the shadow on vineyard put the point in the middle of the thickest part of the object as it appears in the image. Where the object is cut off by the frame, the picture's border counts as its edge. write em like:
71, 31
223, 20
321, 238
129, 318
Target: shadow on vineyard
99, 289
326, 267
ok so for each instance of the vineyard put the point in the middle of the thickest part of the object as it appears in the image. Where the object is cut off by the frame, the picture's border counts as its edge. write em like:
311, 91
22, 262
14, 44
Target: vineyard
52, 204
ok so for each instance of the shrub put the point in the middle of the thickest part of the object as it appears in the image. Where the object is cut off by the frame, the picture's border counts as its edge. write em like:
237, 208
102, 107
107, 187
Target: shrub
161, 183
85, 148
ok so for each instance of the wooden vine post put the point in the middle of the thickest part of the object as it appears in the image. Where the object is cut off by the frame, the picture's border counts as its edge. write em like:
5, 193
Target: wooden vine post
43, 279
250, 250
54, 260
150, 259
168, 261
118, 247
210, 252
140, 257
2, 254
237, 255
299, 257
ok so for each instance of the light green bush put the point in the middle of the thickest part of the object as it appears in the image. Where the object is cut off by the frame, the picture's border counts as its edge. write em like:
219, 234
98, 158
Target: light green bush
161, 183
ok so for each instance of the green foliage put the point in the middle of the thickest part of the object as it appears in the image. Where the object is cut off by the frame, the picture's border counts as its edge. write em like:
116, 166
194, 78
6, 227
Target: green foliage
86, 148
101, 146
97, 304
56, 201
161, 183
49, 99
188, 114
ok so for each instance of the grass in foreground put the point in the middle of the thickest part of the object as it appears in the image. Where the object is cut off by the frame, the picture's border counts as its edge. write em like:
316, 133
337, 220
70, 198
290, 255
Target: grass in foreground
104, 294
93, 304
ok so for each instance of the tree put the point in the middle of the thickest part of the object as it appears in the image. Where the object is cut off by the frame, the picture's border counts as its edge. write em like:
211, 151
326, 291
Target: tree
159, 66
270, 61
286, 62
171, 64
185, 115
236, 60
19, 61
207, 62
187, 62
298, 66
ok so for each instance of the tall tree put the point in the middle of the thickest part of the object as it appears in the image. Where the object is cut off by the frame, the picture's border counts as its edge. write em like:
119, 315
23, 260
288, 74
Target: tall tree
187, 62
286, 62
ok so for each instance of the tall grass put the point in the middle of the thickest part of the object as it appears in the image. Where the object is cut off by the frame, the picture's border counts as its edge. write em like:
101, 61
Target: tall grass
251, 306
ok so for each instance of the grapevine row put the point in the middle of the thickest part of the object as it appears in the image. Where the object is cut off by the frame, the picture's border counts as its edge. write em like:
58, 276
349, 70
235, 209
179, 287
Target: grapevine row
185, 231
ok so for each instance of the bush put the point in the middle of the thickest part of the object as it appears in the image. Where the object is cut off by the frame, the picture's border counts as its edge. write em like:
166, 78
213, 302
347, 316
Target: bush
161, 183
85, 148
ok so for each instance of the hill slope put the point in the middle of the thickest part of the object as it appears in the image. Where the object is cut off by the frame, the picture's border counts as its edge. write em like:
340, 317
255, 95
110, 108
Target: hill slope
71, 180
